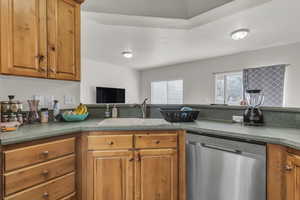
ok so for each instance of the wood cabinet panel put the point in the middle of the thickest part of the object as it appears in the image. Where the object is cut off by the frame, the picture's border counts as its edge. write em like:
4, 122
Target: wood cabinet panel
24, 38
64, 39
102, 142
292, 177
156, 141
70, 197
276, 160
110, 175
156, 174
51, 190
22, 157
40, 38
30, 176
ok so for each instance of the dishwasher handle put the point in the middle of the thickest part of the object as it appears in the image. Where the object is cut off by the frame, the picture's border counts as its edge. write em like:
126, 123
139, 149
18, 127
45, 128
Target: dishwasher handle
215, 147
209, 146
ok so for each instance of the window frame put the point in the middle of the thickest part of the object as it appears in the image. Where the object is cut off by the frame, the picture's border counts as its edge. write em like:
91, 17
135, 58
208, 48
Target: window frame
225, 74
167, 81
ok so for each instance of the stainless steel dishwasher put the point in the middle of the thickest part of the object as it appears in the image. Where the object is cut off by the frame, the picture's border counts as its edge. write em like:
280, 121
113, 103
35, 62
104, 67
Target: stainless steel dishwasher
223, 169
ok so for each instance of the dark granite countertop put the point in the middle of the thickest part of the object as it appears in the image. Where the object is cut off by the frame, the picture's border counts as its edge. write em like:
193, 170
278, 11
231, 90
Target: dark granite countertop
284, 136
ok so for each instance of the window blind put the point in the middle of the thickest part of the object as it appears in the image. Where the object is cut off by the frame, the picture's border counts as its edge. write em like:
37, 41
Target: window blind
167, 92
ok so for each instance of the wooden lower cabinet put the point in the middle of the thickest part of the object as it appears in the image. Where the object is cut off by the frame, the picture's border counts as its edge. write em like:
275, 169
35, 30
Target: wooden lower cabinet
110, 175
39, 170
156, 174
121, 165
142, 172
292, 177
283, 173
70, 197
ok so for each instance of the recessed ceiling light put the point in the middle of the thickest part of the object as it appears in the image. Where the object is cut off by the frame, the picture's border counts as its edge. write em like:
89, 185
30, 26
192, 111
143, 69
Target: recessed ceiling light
127, 54
240, 34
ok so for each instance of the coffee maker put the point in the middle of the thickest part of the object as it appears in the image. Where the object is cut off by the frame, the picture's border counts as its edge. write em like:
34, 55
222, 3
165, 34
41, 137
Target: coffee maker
253, 115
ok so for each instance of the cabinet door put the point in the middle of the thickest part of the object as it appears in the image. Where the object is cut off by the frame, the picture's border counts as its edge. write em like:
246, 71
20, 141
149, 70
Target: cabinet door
63, 39
293, 177
23, 38
156, 174
110, 175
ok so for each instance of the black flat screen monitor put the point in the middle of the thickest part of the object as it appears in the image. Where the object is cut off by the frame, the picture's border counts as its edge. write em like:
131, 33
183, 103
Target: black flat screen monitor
110, 95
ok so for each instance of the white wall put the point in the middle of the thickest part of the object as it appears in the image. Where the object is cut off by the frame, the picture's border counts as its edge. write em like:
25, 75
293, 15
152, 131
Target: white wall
199, 81
102, 73
95, 74
25, 88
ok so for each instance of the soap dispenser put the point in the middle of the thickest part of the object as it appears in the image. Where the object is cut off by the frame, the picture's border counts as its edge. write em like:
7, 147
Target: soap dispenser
107, 112
114, 111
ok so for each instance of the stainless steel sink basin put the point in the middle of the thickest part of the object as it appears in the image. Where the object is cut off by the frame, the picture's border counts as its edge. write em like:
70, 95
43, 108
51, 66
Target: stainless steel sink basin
133, 122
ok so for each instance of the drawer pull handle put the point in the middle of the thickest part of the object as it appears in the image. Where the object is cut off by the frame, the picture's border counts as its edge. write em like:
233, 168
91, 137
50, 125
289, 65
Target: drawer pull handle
138, 158
45, 153
111, 143
131, 159
45, 173
46, 195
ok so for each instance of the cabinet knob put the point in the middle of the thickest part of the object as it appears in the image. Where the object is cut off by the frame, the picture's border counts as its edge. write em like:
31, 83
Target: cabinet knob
111, 143
157, 142
40, 57
131, 159
45, 173
288, 168
45, 153
46, 195
138, 158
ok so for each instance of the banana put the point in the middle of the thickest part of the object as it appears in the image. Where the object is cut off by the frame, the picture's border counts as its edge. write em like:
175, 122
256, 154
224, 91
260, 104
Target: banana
80, 110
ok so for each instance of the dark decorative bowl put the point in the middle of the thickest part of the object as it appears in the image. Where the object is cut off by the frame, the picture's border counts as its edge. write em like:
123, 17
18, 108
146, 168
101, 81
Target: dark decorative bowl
177, 115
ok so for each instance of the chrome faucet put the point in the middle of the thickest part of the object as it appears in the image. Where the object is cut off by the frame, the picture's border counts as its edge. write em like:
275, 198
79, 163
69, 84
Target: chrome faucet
144, 108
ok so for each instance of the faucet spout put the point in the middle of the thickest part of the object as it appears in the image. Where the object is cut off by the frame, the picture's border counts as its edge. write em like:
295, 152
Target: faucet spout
144, 108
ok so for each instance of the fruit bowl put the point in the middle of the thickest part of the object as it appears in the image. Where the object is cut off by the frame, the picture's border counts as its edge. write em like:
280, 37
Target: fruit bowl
74, 118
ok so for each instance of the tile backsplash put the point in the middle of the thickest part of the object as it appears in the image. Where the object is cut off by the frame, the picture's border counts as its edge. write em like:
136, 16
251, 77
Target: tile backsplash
275, 117
66, 92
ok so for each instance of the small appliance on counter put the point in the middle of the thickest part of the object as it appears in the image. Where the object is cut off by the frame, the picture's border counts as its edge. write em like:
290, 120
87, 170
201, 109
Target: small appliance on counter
11, 110
253, 115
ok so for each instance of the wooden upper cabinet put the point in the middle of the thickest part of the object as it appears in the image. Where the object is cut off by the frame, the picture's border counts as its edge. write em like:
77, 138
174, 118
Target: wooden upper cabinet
40, 38
24, 38
64, 39
156, 174
110, 175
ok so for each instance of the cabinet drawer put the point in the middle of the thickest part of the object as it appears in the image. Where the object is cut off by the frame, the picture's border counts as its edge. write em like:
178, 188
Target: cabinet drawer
103, 142
70, 197
52, 190
30, 155
156, 141
33, 175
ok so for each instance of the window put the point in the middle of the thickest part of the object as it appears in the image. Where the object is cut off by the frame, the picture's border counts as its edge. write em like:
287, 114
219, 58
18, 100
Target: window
229, 88
167, 92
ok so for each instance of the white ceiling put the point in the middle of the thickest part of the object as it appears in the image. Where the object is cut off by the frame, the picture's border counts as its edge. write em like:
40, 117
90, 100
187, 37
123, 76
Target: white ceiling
273, 23
154, 8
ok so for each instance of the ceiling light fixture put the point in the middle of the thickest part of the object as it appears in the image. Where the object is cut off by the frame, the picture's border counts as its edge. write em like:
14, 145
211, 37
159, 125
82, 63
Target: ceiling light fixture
127, 54
240, 34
